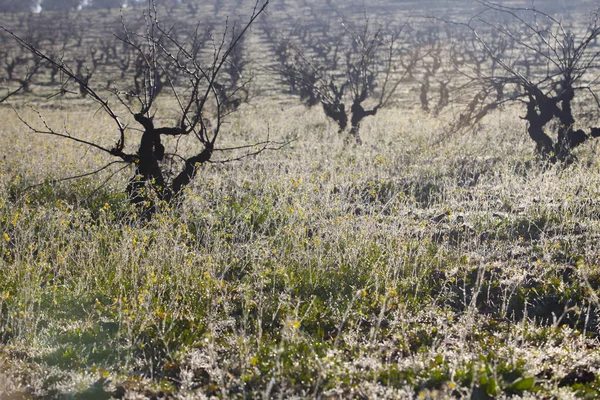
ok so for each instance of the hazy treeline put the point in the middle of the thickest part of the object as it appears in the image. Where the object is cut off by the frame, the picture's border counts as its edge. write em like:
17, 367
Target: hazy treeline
63, 5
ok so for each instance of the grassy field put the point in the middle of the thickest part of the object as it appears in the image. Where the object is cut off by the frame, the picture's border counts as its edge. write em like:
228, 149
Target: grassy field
395, 269
402, 268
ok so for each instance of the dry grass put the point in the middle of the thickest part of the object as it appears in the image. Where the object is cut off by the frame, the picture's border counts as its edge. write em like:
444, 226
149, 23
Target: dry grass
397, 269
391, 270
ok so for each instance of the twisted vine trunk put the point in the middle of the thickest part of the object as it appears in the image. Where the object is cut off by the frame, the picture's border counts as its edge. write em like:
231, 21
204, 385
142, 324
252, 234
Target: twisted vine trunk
148, 173
541, 109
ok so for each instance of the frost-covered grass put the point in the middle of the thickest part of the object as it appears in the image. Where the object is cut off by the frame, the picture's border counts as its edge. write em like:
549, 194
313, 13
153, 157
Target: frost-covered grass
396, 269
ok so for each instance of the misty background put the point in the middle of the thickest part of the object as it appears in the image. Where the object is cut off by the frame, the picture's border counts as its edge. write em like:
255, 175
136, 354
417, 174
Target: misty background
421, 7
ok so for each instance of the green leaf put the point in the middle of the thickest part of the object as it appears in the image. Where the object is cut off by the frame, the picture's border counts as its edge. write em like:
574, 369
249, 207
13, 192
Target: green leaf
491, 388
522, 384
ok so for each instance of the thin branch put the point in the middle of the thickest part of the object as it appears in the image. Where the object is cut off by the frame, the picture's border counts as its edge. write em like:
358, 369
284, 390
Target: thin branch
73, 177
103, 103
264, 147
